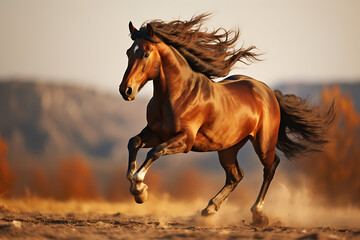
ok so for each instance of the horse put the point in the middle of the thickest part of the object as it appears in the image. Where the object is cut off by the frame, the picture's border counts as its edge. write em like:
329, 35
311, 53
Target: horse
189, 111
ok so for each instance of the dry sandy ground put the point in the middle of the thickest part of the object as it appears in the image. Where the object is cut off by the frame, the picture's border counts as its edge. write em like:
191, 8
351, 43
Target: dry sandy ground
40, 219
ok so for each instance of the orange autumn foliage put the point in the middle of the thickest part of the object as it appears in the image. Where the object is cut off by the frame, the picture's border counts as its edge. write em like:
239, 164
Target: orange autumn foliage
40, 184
334, 174
6, 174
75, 180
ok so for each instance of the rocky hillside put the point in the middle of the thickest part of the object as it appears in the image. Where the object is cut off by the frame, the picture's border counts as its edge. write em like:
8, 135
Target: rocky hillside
45, 121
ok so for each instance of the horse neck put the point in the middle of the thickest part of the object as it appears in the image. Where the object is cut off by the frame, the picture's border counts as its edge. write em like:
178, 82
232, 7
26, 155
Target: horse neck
175, 75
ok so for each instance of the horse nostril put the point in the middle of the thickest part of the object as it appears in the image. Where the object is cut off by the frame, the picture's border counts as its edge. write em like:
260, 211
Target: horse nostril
128, 91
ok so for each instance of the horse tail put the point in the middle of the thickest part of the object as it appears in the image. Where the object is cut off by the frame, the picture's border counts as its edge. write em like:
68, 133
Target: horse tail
303, 128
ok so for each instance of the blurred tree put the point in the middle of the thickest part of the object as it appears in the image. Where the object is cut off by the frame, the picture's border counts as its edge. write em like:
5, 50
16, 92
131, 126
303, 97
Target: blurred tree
118, 186
334, 174
6, 174
39, 182
75, 180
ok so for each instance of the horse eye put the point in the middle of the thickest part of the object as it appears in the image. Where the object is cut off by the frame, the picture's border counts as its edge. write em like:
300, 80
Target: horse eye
146, 55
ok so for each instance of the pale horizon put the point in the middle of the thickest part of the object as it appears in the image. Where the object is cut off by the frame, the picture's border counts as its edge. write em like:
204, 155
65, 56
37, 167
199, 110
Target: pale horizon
84, 42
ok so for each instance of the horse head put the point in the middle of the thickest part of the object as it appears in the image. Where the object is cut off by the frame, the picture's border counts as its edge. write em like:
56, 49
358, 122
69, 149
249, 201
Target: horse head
143, 61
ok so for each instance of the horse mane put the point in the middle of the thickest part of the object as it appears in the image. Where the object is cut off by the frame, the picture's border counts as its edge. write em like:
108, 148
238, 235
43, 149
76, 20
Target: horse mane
212, 53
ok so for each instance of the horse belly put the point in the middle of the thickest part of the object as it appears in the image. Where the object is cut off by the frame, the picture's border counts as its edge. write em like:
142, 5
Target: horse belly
217, 141
204, 144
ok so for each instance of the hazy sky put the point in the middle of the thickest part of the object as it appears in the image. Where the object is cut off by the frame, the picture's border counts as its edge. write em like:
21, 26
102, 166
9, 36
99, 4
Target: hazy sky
84, 41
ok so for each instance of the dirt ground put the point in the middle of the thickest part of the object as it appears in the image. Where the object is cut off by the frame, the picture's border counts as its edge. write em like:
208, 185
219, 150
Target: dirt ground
43, 219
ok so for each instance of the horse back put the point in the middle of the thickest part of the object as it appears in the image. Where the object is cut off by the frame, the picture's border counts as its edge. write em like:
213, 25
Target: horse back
243, 87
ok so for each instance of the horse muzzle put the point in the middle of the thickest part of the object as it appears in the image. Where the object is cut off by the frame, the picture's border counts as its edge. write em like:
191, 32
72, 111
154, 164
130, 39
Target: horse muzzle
128, 93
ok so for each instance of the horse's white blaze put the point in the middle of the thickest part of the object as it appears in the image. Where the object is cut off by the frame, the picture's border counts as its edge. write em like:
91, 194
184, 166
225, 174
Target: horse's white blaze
136, 48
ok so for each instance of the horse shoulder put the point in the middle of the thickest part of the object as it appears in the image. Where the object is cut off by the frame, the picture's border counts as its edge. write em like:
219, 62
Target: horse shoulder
154, 115
161, 118
171, 121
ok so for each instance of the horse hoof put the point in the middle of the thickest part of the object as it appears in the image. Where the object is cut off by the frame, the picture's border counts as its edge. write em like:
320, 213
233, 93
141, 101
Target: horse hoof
141, 197
260, 221
208, 211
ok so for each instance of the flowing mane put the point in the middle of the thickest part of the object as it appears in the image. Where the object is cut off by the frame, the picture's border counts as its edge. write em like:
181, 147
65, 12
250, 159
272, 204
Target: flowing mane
212, 53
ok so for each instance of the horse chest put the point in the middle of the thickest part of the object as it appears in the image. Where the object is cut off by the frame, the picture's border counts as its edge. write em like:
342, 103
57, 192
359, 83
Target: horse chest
162, 119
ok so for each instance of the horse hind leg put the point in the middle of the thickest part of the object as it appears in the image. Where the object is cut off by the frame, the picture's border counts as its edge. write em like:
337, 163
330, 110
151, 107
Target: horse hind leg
234, 174
270, 161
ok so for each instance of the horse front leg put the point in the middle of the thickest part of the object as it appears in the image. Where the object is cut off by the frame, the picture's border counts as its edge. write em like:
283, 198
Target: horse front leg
146, 138
175, 145
135, 143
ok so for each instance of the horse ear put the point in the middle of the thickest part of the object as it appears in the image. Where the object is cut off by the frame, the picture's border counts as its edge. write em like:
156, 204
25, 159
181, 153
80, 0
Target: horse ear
132, 28
149, 30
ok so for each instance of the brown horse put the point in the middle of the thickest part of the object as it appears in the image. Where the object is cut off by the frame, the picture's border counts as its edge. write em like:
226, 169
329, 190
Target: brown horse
190, 112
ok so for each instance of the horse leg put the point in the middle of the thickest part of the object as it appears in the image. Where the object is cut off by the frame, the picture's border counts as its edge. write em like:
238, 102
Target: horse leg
234, 174
175, 145
270, 162
143, 140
